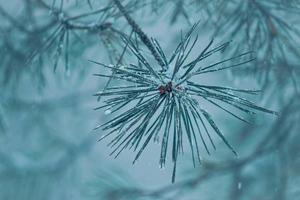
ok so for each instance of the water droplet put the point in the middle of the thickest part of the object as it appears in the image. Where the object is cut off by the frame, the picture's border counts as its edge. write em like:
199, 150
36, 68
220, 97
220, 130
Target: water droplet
122, 67
162, 167
107, 112
240, 185
100, 92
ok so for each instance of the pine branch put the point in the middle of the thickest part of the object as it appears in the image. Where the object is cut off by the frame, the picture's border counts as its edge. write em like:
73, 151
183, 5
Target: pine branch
167, 101
60, 36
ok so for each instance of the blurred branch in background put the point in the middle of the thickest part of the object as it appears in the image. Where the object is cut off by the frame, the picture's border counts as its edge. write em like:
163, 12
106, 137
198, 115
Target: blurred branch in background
269, 28
50, 33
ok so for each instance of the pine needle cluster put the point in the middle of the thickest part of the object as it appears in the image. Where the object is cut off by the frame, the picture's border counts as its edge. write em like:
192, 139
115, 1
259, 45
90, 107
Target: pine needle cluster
163, 102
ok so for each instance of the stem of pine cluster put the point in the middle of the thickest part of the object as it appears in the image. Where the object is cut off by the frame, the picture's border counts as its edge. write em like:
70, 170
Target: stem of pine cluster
144, 38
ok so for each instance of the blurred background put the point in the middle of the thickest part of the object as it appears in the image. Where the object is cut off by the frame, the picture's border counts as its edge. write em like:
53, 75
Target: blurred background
48, 148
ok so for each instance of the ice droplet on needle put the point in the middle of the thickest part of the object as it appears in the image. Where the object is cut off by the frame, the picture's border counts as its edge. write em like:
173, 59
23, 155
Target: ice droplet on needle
239, 185
107, 112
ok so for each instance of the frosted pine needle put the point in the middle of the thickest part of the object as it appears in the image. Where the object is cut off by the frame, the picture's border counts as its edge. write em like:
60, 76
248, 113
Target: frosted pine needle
164, 102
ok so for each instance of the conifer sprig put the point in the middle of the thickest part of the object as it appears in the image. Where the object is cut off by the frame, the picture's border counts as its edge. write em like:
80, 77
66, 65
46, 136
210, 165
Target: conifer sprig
166, 103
